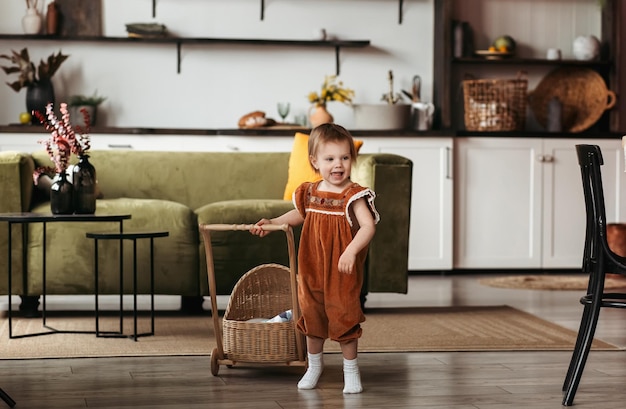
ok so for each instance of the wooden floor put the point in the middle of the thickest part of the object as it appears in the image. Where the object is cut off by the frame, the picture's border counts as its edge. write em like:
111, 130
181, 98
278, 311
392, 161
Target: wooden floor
451, 380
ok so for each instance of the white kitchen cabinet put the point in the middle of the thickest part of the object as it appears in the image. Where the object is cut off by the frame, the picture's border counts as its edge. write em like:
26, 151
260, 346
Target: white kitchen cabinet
497, 203
21, 142
430, 230
27, 142
194, 143
519, 201
563, 199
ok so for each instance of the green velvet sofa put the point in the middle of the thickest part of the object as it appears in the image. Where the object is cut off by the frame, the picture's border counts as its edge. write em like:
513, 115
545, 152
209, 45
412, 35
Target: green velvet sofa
175, 191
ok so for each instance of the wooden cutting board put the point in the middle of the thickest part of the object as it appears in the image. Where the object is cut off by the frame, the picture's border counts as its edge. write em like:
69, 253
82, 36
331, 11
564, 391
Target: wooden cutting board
80, 17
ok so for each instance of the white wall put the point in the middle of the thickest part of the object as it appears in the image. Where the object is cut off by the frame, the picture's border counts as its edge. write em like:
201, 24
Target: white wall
220, 83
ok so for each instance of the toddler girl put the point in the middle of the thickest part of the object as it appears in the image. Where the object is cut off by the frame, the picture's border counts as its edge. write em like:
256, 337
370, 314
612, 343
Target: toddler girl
339, 222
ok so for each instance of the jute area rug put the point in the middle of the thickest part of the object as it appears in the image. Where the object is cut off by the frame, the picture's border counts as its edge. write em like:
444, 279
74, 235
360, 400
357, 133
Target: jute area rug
492, 328
551, 282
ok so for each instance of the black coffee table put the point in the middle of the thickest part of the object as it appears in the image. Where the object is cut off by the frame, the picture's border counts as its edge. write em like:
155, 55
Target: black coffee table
25, 219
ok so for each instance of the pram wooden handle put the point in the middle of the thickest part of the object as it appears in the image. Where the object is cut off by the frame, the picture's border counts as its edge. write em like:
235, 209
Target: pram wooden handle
243, 227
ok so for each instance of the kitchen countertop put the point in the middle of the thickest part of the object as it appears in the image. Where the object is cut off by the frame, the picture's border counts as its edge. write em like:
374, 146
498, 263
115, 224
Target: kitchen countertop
289, 130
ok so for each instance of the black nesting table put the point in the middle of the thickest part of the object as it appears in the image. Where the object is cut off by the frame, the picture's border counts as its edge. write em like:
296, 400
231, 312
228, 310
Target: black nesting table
121, 236
25, 219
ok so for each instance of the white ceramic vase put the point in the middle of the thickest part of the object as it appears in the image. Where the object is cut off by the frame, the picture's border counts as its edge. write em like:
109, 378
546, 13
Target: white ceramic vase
31, 22
586, 48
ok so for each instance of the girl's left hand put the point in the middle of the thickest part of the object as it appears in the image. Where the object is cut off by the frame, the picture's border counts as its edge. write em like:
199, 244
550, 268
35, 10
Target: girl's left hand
346, 263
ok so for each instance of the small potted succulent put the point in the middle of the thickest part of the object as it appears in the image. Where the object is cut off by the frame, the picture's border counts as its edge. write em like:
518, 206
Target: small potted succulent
90, 104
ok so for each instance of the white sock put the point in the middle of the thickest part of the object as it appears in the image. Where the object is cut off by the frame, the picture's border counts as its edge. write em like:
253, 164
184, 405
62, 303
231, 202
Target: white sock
351, 376
313, 372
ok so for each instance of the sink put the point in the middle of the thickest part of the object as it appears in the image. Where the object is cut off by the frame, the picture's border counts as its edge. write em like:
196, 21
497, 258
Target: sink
382, 116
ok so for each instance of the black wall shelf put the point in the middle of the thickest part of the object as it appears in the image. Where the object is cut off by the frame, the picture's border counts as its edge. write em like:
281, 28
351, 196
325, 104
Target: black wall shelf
530, 61
336, 44
400, 8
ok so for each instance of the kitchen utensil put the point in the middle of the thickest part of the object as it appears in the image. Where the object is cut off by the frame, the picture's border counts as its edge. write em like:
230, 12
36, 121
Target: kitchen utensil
417, 84
422, 113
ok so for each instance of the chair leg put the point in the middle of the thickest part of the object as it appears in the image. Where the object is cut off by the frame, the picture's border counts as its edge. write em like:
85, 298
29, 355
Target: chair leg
581, 352
6, 398
584, 323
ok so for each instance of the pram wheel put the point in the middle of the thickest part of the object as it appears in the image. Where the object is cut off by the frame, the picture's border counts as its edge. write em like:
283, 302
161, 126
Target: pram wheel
215, 366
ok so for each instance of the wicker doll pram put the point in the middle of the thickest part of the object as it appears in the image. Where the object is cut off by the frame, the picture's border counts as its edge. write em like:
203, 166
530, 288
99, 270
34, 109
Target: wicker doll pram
263, 292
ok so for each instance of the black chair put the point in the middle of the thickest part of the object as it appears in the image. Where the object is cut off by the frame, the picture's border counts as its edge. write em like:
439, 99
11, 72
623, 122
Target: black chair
7, 399
598, 260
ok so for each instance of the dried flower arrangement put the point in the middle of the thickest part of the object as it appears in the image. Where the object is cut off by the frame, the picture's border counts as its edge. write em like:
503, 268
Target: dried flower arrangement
63, 140
26, 69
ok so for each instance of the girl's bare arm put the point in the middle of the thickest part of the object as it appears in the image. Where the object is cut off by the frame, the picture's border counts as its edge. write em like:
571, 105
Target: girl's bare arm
367, 228
292, 218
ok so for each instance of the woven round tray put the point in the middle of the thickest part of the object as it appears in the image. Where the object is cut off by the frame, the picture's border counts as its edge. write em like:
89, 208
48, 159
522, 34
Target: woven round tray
582, 93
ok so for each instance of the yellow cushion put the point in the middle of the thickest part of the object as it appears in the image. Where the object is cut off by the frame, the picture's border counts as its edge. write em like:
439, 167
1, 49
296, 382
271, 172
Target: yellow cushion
300, 169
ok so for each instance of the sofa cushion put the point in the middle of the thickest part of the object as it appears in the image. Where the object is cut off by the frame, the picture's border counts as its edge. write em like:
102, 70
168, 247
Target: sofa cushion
70, 255
236, 252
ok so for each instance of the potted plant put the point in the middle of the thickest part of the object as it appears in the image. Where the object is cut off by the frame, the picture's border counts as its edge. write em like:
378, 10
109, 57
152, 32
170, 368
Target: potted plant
89, 103
37, 81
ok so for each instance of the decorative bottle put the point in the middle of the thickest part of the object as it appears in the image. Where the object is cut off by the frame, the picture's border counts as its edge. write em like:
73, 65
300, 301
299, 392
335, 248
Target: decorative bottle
84, 179
52, 19
61, 195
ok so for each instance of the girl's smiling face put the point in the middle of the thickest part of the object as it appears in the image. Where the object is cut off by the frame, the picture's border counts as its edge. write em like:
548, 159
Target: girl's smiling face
333, 161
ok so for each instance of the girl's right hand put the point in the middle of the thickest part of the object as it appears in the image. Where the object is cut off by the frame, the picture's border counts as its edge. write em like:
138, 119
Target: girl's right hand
257, 230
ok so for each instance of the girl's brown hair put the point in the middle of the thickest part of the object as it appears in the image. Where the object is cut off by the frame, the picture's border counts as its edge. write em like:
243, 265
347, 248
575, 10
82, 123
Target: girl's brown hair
330, 133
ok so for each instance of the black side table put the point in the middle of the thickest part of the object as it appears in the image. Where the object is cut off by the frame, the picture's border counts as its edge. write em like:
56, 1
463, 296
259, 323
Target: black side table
121, 237
25, 219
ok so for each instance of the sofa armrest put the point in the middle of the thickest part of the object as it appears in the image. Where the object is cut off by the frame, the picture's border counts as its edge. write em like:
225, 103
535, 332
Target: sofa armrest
16, 179
390, 177
16, 184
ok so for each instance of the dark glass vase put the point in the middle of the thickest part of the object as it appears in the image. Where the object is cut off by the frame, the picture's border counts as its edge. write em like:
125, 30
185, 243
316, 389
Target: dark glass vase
61, 195
38, 95
84, 186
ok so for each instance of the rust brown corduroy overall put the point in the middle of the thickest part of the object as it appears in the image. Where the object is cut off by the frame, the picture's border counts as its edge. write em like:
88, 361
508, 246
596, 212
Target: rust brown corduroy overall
329, 300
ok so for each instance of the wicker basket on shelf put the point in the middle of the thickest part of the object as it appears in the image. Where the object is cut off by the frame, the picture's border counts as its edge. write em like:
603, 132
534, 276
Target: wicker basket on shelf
495, 104
583, 95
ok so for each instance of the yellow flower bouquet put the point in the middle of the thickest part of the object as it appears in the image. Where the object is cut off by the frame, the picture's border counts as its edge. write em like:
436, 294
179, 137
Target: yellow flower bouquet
332, 90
